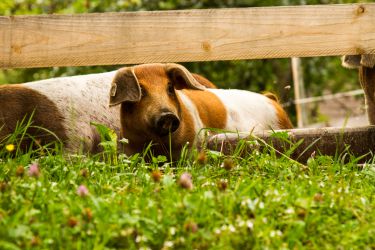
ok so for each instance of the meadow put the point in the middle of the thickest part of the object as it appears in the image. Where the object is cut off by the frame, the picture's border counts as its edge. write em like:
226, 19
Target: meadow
259, 199
205, 200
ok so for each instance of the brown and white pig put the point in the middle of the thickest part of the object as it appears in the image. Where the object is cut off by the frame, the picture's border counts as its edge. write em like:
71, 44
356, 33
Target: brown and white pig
65, 106
158, 100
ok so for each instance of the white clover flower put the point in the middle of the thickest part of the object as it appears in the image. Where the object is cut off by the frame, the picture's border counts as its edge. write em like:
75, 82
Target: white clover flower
240, 222
245, 202
363, 200
207, 183
277, 199
181, 239
261, 205
290, 210
139, 238
250, 224
252, 203
274, 233
168, 244
172, 230
332, 204
232, 228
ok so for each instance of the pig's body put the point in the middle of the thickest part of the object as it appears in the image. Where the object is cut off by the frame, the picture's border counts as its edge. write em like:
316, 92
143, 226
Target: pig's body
160, 98
64, 105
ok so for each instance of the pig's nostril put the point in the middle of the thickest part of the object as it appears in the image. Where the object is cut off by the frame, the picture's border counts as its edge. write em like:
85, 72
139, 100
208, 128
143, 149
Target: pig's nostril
167, 122
175, 125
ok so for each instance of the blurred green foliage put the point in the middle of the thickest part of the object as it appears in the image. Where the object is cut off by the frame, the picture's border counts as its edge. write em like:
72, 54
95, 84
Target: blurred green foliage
323, 73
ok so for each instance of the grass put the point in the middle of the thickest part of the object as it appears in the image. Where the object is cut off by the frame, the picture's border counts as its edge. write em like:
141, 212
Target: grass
49, 200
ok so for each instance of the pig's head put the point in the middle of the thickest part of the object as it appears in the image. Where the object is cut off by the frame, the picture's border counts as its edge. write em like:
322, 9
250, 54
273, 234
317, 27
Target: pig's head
150, 106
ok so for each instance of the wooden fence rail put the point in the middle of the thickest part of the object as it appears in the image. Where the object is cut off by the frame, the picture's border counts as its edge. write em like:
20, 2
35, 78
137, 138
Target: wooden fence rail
188, 35
358, 142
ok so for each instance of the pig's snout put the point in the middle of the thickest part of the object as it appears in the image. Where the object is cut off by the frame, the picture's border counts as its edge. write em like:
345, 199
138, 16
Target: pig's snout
166, 122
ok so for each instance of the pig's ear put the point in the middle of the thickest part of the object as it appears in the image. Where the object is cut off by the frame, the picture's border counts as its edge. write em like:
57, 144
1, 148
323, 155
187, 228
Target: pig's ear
125, 87
182, 78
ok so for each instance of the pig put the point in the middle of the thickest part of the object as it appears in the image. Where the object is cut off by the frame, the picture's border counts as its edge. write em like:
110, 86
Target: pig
165, 105
62, 109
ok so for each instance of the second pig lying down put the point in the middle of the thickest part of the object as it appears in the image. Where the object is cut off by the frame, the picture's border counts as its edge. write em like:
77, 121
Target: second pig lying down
158, 100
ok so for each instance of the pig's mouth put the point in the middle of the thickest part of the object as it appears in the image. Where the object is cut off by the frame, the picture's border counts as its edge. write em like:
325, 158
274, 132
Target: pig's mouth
166, 123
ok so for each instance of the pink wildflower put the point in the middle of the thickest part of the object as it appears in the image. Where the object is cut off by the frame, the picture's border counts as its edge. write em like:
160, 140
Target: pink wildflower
34, 170
186, 181
82, 191
191, 226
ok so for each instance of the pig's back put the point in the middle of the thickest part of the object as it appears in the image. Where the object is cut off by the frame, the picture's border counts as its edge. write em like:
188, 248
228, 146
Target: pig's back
233, 110
247, 111
81, 100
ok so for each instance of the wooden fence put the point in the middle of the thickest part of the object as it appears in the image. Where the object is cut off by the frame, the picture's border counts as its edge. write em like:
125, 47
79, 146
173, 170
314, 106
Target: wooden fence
192, 35
187, 35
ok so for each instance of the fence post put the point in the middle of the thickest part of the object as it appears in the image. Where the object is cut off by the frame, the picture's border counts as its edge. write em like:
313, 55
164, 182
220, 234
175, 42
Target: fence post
299, 91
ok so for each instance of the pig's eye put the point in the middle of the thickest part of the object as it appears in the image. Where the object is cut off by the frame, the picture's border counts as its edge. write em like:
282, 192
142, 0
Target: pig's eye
143, 92
170, 89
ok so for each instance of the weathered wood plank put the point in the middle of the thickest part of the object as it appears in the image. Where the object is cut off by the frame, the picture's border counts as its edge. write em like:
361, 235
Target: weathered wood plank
189, 35
358, 141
